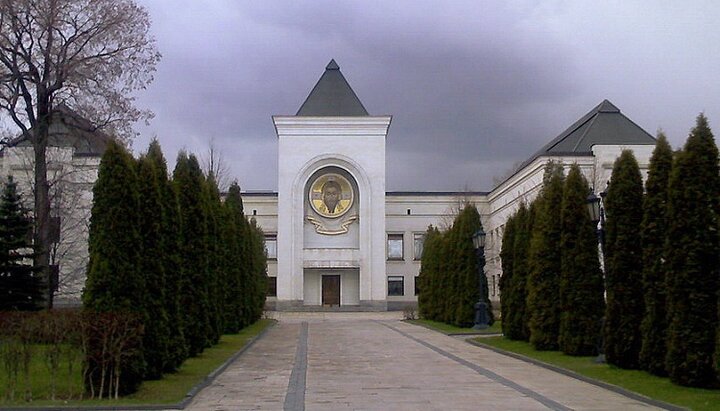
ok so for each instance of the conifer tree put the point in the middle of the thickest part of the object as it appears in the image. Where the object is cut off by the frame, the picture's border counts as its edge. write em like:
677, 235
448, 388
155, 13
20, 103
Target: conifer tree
518, 318
543, 300
20, 288
233, 310
692, 254
429, 285
507, 291
114, 282
257, 285
623, 262
189, 181
156, 337
654, 235
216, 271
465, 267
581, 281
170, 258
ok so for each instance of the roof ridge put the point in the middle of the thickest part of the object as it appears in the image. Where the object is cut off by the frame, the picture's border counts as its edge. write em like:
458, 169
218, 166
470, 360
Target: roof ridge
591, 121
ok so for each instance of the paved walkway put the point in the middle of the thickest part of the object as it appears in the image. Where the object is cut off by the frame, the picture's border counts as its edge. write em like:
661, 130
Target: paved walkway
361, 361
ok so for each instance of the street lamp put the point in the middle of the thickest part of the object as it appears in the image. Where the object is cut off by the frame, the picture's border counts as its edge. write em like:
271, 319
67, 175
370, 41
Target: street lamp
481, 309
596, 210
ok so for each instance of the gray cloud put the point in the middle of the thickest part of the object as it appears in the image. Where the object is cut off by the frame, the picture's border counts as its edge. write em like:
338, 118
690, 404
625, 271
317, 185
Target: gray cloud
473, 87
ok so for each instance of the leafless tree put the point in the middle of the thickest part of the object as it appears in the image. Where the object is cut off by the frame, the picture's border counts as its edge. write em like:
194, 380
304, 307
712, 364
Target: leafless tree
90, 55
70, 181
214, 164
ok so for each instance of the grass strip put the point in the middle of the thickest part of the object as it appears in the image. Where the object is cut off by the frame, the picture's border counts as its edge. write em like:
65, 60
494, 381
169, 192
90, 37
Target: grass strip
640, 382
174, 387
453, 330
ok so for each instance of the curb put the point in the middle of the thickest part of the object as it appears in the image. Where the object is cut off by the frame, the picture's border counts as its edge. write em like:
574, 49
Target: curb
175, 406
614, 388
469, 334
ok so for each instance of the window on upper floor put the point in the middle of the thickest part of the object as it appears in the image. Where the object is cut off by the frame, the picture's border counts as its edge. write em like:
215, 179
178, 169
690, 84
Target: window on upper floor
395, 247
271, 246
418, 242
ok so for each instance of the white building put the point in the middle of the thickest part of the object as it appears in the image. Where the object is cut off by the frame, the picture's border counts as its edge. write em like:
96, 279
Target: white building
73, 158
336, 238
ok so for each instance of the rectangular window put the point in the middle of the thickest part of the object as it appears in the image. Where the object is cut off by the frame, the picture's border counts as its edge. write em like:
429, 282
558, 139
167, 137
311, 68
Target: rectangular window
492, 286
271, 246
418, 242
417, 285
272, 287
396, 285
395, 247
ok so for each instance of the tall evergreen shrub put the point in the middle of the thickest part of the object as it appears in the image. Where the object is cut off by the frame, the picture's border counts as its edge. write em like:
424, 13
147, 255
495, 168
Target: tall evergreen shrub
543, 300
157, 335
519, 329
114, 282
170, 258
581, 281
693, 260
428, 300
623, 263
465, 267
189, 181
654, 235
507, 291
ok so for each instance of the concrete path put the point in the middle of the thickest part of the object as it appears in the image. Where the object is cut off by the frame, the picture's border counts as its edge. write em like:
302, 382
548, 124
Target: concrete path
361, 361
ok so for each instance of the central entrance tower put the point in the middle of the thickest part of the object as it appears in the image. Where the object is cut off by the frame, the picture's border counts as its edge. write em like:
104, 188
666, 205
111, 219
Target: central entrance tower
331, 201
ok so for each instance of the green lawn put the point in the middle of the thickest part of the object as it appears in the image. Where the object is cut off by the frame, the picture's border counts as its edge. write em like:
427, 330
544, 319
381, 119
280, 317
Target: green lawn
451, 329
171, 389
638, 381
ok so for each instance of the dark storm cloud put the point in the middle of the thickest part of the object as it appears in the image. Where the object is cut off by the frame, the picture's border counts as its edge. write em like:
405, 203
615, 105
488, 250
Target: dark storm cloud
474, 88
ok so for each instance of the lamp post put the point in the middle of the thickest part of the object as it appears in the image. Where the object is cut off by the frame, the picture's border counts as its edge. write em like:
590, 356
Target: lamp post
481, 309
596, 210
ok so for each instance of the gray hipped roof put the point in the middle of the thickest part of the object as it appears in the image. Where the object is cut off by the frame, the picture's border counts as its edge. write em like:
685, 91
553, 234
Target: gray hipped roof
604, 124
332, 96
68, 128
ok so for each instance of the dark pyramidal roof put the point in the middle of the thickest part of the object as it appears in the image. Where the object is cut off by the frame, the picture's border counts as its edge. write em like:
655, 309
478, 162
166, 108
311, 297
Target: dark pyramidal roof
332, 96
68, 128
604, 124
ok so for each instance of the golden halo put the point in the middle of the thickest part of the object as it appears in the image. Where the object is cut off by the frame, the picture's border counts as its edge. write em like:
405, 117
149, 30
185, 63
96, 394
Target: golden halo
331, 195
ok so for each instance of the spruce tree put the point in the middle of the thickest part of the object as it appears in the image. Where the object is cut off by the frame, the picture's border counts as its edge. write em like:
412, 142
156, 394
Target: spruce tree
543, 300
189, 182
170, 258
507, 291
654, 235
20, 288
623, 263
518, 327
114, 282
693, 260
156, 338
581, 281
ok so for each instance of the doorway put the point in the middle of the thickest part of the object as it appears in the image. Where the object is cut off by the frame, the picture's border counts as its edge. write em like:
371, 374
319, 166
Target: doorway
331, 290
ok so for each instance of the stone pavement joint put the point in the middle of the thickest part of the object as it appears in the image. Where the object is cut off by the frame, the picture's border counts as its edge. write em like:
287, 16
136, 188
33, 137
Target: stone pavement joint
295, 397
487, 373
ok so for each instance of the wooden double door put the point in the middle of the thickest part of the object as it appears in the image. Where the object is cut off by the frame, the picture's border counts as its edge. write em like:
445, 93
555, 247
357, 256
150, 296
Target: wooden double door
331, 290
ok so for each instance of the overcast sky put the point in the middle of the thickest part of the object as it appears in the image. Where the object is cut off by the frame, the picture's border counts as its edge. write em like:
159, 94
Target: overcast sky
474, 87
